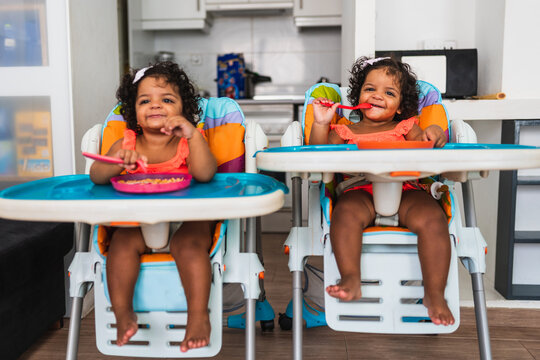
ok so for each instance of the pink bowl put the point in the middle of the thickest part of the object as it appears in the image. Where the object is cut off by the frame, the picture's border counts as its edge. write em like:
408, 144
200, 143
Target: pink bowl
133, 183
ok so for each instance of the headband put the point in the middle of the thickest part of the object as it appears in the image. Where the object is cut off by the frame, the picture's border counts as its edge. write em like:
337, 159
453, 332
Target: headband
372, 61
140, 74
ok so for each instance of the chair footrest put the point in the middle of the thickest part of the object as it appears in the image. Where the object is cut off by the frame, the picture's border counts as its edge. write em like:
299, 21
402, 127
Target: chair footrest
392, 294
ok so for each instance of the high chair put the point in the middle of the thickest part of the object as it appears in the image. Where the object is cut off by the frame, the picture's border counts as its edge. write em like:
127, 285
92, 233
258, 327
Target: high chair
159, 298
392, 288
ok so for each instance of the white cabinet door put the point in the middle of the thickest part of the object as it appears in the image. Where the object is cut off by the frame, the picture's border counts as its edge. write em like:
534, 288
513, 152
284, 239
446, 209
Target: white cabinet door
317, 8
316, 13
173, 9
172, 14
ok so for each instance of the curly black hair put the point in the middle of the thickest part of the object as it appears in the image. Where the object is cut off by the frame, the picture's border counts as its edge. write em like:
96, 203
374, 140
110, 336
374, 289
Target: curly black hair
171, 72
405, 77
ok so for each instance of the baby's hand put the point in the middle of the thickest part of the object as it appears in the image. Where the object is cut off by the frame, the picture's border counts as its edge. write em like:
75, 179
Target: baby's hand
130, 158
323, 114
179, 126
436, 134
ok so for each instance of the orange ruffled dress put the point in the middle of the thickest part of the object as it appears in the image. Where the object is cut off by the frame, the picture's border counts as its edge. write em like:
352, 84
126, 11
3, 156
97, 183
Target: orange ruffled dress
396, 134
176, 165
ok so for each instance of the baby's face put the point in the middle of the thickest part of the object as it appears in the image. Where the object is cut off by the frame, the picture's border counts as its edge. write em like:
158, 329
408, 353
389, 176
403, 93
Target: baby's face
383, 92
156, 101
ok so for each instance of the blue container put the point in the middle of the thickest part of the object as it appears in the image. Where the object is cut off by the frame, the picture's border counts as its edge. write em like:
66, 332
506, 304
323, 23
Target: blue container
231, 76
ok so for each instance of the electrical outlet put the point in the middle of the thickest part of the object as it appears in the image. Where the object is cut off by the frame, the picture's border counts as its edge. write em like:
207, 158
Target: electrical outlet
196, 59
437, 44
449, 44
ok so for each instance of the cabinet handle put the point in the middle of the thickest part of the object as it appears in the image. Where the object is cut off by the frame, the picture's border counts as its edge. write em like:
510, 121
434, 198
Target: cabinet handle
301, 4
198, 5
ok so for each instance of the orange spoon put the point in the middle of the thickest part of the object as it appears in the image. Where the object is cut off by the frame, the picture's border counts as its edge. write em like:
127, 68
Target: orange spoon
112, 160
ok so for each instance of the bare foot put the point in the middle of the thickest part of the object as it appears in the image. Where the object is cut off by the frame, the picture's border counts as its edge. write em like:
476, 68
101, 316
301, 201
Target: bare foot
197, 332
126, 327
438, 310
347, 289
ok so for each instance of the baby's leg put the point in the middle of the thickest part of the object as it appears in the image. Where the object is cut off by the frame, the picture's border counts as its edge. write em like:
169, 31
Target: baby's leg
424, 216
189, 247
123, 262
353, 212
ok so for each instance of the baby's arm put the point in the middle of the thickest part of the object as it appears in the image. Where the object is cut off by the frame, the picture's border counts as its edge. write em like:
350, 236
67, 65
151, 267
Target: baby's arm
433, 132
322, 116
201, 162
101, 172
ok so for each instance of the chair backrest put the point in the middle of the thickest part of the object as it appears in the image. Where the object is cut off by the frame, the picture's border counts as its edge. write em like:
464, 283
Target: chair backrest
431, 110
222, 121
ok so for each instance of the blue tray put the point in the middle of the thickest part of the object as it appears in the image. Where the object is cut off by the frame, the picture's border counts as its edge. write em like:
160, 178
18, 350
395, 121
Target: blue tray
80, 187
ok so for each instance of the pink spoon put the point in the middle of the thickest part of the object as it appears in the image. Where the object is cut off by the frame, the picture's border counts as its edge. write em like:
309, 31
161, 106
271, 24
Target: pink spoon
359, 106
112, 160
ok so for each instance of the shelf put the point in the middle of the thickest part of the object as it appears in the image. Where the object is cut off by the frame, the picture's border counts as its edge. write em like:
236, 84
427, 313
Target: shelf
527, 237
528, 180
516, 265
507, 109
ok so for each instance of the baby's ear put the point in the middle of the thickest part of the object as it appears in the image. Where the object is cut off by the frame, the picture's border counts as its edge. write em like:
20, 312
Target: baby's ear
398, 111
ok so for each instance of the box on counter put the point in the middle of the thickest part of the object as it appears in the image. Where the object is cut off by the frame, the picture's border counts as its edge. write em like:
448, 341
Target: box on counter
33, 143
231, 76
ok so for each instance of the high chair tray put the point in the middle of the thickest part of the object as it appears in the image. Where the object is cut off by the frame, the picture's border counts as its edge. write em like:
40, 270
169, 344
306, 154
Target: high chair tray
348, 158
75, 198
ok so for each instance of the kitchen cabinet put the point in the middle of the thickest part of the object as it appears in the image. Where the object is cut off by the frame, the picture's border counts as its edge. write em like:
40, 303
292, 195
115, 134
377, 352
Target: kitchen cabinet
239, 5
315, 13
172, 14
35, 96
517, 272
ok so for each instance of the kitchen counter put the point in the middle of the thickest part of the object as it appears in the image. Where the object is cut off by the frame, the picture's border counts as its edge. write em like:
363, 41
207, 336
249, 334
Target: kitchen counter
295, 100
507, 109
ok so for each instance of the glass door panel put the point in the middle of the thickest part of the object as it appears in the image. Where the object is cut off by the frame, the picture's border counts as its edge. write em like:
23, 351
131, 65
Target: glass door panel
23, 33
25, 139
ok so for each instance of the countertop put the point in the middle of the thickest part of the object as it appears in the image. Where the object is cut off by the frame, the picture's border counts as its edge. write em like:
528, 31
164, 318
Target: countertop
507, 109
273, 100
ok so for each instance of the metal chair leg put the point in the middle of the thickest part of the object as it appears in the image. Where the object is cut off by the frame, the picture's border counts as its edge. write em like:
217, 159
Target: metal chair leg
480, 310
74, 328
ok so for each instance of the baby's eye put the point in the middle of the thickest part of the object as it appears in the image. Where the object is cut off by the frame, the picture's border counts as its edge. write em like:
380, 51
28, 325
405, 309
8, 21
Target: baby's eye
389, 93
169, 101
369, 89
142, 102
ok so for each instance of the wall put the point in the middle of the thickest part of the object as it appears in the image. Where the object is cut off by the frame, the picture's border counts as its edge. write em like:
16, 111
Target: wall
520, 70
95, 65
489, 39
372, 25
406, 25
95, 71
272, 45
